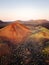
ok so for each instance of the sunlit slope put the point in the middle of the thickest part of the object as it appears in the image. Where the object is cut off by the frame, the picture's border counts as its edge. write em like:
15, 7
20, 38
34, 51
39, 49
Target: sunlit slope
15, 32
40, 33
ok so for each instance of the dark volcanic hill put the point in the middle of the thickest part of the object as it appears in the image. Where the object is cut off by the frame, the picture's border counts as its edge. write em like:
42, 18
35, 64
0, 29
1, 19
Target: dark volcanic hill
3, 24
45, 25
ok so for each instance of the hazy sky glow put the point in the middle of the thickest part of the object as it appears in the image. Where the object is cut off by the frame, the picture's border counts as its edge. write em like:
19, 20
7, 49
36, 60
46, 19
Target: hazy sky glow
24, 9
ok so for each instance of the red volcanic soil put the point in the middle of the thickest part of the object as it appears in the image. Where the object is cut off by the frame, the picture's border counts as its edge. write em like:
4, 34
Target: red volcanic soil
16, 32
4, 49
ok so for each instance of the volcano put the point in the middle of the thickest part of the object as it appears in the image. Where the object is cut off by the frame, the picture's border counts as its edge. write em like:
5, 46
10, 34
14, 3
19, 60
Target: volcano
14, 32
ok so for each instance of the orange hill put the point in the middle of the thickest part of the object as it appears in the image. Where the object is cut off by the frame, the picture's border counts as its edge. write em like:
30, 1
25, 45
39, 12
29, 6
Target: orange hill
15, 32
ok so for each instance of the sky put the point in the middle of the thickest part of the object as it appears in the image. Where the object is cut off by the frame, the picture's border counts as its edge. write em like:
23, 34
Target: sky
24, 9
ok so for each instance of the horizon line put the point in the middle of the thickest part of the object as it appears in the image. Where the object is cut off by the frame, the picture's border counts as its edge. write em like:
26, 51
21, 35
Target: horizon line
24, 20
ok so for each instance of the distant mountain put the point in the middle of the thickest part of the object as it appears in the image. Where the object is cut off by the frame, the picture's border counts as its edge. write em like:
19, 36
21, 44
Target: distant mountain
30, 23
3, 24
34, 23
